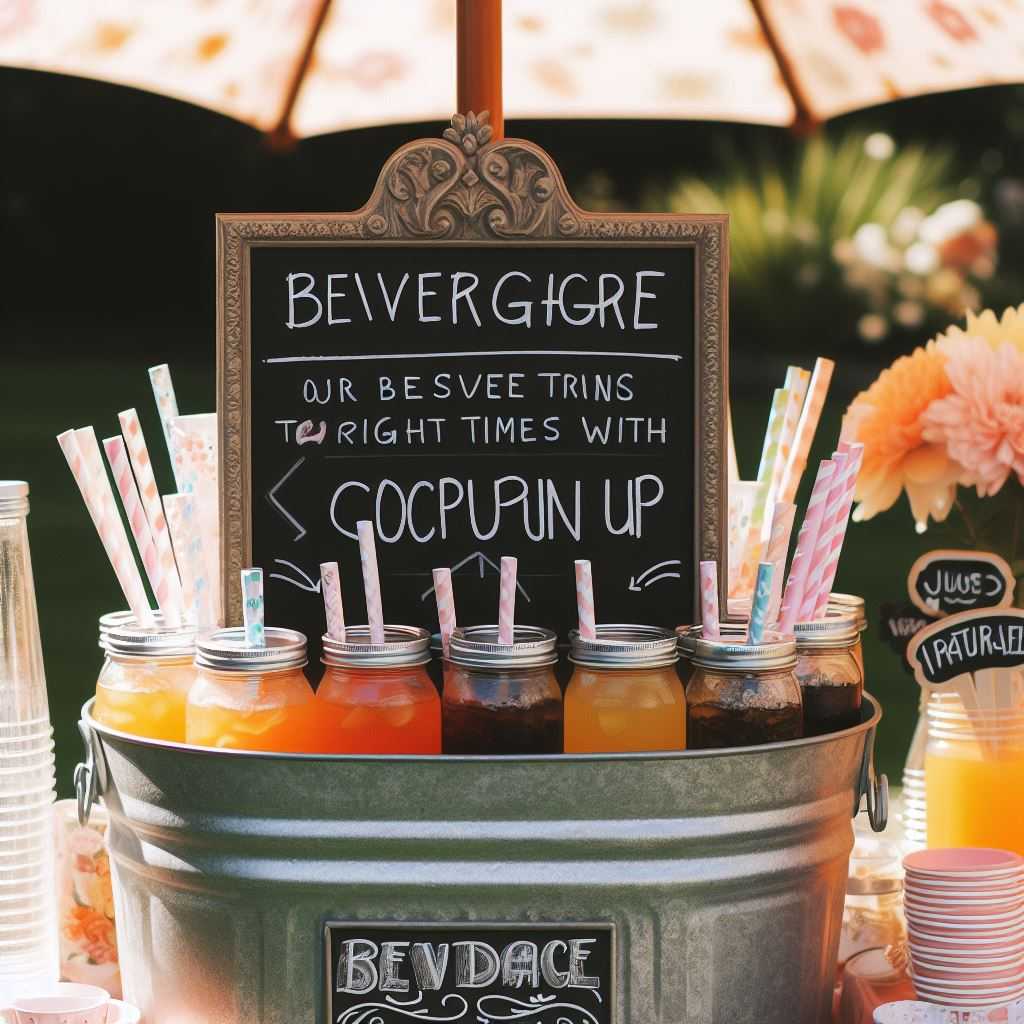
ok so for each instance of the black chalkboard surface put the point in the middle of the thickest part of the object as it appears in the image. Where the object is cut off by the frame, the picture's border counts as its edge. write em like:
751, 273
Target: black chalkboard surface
465, 974
944, 582
481, 369
968, 642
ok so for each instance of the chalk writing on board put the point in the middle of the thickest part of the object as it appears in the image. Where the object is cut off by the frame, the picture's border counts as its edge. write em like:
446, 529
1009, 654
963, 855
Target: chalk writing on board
462, 974
944, 582
968, 642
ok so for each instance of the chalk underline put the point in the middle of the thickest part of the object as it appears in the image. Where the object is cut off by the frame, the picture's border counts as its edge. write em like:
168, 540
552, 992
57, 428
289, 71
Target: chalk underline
671, 356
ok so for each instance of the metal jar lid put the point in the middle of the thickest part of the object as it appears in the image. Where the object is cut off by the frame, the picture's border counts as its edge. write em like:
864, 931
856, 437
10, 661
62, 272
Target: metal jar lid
225, 651
13, 498
620, 645
403, 645
478, 647
851, 604
777, 653
122, 637
837, 629
687, 636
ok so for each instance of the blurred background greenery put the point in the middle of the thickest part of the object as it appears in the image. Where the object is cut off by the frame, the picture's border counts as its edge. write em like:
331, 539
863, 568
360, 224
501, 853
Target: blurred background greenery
858, 243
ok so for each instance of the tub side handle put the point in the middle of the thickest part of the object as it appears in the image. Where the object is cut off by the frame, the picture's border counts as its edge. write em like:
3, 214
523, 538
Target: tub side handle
85, 778
874, 787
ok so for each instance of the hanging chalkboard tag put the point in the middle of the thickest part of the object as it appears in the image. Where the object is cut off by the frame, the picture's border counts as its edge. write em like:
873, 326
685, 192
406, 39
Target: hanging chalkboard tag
898, 624
967, 643
945, 582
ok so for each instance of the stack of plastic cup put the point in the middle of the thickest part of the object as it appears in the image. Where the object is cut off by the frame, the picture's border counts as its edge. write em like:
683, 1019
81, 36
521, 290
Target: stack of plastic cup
28, 920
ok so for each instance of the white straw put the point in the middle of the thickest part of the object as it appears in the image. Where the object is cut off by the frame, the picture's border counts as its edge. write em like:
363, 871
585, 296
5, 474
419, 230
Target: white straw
371, 581
330, 586
507, 601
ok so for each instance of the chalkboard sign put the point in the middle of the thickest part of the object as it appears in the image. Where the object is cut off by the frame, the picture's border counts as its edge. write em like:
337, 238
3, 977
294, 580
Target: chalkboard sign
898, 624
468, 974
967, 643
480, 368
948, 581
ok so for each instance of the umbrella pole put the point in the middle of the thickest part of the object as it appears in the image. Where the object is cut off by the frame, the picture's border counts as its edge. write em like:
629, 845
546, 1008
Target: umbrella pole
479, 60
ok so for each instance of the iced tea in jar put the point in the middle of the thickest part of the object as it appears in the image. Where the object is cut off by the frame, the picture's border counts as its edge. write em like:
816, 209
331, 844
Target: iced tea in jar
501, 698
252, 698
831, 679
852, 604
146, 676
743, 695
378, 698
624, 694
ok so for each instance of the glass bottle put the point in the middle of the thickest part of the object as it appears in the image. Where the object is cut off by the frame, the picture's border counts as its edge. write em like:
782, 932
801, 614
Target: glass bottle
742, 695
378, 698
624, 694
501, 698
830, 677
28, 952
145, 679
252, 698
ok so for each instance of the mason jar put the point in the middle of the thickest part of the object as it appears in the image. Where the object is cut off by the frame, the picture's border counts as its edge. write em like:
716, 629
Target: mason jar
252, 698
686, 637
830, 675
146, 676
501, 698
378, 698
743, 694
852, 604
624, 694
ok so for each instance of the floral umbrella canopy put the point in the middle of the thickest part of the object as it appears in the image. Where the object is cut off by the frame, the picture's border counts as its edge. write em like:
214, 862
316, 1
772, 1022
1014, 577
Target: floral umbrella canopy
312, 66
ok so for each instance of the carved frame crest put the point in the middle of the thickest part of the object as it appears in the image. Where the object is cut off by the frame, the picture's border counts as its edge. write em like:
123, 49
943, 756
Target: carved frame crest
468, 189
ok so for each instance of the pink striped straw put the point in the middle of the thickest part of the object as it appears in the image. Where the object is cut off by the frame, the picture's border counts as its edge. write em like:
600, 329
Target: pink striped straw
585, 600
184, 533
793, 592
817, 391
823, 542
507, 601
330, 587
117, 457
710, 626
854, 459
371, 581
82, 452
138, 455
778, 552
444, 594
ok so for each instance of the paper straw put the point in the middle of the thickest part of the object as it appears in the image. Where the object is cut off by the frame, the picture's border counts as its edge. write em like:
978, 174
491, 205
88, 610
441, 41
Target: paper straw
138, 455
744, 496
854, 459
107, 524
507, 601
817, 391
444, 594
793, 592
117, 457
823, 541
330, 587
778, 552
770, 446
167, 407
759, 609
182, 524
797, 381
252, 608
371, 581
585, 600
710, 626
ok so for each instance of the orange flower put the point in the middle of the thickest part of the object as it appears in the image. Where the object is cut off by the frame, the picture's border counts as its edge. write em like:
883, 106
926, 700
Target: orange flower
886, 419
93, 932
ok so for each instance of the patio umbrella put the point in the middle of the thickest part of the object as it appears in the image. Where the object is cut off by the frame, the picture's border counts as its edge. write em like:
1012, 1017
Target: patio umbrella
311, 66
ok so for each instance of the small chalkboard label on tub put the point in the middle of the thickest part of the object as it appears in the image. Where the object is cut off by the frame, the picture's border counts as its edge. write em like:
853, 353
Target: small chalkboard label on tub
945, 582
966, 643
468, 974
480, 368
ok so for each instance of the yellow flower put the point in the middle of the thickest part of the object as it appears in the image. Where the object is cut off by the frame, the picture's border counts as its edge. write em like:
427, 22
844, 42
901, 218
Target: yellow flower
995, 330
886, 419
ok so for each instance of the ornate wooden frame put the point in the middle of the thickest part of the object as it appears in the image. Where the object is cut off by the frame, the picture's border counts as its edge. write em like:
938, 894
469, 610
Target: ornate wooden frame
467, 189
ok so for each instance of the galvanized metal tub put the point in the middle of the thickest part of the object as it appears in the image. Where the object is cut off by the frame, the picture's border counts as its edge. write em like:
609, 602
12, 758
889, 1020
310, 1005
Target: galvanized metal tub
723, 872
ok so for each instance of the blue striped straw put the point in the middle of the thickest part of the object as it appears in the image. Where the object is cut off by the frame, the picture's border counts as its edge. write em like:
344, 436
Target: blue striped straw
252, 607
762, 598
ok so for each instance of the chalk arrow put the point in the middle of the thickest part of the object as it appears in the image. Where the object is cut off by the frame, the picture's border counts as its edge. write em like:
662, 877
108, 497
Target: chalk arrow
647, 577
272, 498
482, 561
307, 583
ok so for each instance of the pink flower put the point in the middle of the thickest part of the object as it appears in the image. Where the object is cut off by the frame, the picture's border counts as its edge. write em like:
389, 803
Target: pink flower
981, 421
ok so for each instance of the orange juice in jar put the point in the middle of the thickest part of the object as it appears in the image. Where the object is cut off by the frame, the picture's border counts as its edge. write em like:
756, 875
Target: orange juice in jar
146, 676
624, 694
252, 698
378, 698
